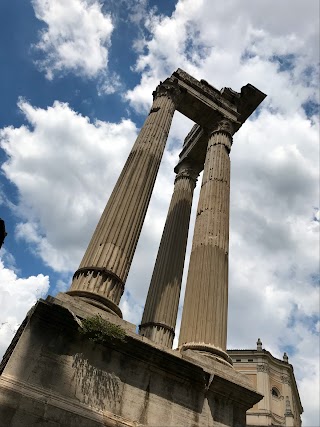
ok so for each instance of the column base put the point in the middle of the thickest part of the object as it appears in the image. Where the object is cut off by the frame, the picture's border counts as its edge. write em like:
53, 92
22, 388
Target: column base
98, 301
209, 351
159, 333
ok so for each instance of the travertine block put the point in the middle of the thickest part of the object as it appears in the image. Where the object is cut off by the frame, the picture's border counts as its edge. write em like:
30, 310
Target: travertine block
54, 377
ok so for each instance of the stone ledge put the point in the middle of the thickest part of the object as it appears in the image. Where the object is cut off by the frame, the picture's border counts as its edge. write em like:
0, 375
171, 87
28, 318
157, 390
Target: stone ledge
188, 359
53, 372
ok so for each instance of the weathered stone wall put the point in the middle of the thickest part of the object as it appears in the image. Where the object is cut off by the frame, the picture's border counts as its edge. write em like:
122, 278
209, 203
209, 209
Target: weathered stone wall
57, 377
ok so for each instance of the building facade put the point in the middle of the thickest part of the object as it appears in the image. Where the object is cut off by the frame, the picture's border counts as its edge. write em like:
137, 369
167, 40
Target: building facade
275, 380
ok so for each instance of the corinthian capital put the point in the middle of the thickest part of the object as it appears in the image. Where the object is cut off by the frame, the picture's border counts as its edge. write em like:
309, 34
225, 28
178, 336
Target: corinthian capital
221, 133
185, 170
225, 126
170, 89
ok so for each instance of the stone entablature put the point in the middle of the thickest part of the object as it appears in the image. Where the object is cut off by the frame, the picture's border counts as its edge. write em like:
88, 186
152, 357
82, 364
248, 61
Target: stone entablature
205, 104
274, 379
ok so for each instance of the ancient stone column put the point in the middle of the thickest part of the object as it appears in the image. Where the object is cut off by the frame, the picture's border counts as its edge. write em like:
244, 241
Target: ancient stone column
161, 308
101, 276
204, 318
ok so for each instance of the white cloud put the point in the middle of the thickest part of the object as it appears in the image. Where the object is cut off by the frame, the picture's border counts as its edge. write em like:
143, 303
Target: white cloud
77, 37
109, 85
17, 296
60, 164
232, 44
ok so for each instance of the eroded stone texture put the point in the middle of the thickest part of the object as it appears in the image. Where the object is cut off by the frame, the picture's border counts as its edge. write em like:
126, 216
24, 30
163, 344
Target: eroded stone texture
204, 318
57, 377
104, 268
161, 308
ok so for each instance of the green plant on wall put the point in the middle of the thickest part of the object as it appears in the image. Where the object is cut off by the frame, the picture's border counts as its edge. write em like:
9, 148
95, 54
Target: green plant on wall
101, 331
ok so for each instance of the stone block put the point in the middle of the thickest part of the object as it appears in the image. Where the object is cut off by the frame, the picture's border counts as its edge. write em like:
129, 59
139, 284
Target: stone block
54, 376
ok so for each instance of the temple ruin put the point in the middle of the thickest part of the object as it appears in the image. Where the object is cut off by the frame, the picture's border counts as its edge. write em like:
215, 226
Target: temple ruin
54, 375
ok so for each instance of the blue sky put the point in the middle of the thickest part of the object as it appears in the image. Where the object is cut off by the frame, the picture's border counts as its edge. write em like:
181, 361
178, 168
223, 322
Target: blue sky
76, 82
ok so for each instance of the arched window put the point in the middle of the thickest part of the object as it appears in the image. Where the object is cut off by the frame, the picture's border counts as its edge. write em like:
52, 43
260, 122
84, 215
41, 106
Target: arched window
275, 392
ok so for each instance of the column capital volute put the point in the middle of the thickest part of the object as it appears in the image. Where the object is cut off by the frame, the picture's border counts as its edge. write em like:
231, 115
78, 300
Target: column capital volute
170, 89
185, 170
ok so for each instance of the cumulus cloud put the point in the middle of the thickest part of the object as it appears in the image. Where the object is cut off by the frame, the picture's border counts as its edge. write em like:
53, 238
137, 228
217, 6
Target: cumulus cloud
274, 51
110, 84
64, 167
76, 38
17, 296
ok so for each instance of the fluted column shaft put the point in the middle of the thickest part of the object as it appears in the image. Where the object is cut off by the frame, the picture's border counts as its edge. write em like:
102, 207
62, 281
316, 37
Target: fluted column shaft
204, 318
104, 268
161, 308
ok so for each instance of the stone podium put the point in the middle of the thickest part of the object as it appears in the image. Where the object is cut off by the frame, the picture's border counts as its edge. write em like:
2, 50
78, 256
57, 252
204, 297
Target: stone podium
75, 362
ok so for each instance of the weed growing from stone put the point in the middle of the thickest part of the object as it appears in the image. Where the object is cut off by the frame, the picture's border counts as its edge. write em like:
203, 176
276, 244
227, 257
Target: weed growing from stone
101, 331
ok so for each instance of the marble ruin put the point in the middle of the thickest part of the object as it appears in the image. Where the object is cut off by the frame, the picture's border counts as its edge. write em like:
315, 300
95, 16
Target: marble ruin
100, 279
52, 375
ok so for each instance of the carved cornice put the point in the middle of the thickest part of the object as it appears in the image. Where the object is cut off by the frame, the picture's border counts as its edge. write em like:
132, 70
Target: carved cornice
201, 86
263, 368
170, 89
230, 95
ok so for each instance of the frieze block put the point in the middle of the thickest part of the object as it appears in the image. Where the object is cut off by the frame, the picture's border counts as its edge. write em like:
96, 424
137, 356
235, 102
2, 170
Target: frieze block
201, 86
